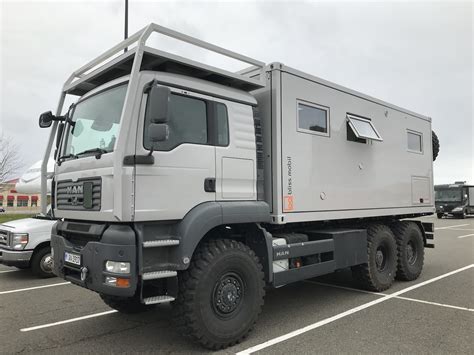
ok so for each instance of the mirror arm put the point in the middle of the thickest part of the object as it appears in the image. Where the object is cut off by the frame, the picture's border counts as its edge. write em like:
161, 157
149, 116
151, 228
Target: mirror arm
150, 153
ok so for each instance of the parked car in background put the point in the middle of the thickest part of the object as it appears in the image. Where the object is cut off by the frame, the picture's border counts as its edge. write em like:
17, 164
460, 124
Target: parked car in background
2, 210
25, 243
455, 200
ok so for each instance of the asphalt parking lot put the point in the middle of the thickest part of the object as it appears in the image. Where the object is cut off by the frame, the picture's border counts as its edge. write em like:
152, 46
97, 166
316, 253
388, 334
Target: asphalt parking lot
434, 314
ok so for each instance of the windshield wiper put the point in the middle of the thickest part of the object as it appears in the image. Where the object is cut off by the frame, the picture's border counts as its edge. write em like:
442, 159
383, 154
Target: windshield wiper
98, 151
67, 156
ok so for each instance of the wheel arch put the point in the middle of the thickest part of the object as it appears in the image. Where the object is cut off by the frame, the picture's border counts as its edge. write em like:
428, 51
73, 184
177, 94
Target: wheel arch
40, 246
238, 220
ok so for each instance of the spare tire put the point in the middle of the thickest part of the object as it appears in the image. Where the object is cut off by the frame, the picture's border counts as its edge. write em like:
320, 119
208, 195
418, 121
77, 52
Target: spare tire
435, 142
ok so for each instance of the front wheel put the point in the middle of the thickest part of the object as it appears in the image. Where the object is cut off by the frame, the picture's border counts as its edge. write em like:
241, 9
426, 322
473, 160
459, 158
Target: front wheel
439, 215
220, 295
42, 263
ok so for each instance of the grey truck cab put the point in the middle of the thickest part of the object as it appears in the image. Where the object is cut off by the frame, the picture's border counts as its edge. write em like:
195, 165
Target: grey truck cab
181, 182
454, 199
25, 244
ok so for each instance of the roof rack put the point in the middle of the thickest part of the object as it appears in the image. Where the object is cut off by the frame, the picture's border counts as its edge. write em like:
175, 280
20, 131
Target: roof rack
109, 66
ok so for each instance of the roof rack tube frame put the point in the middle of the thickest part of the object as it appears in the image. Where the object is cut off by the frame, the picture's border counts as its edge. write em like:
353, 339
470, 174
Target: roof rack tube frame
140, 37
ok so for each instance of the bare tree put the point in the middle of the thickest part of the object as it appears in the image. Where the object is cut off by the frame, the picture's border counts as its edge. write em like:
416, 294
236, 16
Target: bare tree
10, 161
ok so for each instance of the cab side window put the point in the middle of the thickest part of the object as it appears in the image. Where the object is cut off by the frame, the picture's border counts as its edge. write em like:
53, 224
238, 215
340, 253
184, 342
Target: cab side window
187, 123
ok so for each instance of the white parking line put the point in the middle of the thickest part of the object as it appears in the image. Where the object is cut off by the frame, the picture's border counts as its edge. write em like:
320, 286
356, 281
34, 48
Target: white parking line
384, 294
5, 271
435, 303
33, 288
346, 313
465, 236
68, 321
462, 229
457, 225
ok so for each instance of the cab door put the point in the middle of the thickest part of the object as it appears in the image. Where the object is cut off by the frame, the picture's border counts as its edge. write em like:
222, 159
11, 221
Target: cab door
183, 164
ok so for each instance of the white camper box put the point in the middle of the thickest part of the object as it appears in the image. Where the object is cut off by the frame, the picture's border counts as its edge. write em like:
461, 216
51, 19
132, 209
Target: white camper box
316, 174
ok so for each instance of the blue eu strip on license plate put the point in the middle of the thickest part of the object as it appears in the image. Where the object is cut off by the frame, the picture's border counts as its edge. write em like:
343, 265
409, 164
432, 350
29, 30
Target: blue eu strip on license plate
72, 258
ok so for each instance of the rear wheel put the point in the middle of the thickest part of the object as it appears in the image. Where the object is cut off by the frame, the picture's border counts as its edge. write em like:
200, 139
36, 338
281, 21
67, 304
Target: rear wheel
378, 274
42, 263
220, 295
410, 249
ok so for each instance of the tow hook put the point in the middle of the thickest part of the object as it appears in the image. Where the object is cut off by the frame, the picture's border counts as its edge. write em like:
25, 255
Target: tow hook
84, 272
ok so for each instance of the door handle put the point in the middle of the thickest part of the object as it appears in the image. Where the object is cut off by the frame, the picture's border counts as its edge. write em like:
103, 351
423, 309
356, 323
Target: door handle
210, 185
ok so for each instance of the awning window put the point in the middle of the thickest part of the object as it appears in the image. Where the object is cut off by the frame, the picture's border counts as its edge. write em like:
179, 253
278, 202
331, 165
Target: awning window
363, 128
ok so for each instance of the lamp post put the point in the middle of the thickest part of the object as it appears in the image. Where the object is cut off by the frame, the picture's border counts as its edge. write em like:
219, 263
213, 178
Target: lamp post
126, 24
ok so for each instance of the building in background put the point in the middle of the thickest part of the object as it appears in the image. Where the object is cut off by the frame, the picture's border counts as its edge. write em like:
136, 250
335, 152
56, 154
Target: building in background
23, 195
14, 202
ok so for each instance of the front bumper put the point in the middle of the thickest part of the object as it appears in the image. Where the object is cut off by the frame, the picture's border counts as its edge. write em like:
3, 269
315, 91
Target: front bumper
19, 258
116, 243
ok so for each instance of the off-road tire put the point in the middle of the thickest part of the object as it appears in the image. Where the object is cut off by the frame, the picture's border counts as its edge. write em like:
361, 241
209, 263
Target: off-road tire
435, 142
201, 288
440, 215
36, 260
126, 305
370, 276
410, 250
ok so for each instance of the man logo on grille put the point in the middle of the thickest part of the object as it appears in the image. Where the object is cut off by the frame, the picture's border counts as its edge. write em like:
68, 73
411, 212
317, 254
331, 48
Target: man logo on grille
74, 190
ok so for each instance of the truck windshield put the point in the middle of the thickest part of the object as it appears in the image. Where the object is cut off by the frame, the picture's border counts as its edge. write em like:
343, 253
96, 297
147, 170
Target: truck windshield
448, 195
96, 122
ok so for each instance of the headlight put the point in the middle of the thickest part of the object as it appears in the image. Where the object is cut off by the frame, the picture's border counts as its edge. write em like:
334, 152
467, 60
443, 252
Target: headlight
19, 240
117, 267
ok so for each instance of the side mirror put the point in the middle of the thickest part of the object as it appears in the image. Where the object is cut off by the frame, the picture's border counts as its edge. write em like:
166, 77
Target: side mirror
46, 119
158, 132
158, 104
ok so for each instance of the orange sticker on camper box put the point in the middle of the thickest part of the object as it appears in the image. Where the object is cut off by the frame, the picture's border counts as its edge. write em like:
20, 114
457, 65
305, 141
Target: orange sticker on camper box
288, 206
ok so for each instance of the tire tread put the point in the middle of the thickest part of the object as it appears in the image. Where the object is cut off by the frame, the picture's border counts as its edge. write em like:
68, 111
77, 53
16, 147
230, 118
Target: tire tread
184, 319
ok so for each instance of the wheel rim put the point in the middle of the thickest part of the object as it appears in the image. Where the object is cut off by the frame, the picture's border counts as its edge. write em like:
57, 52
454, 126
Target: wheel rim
412, 253
381, 258
227, 296
46, 263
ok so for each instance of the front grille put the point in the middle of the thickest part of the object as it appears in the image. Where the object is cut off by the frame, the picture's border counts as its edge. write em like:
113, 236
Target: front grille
3, 237
83, 195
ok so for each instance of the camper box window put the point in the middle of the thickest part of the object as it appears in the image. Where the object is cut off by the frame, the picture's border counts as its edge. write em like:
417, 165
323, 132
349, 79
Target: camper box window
363, 128
313, 118
415, 142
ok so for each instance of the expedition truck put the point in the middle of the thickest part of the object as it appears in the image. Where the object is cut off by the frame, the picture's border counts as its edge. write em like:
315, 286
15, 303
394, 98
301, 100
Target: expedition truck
454, 199
25, 244
181, 182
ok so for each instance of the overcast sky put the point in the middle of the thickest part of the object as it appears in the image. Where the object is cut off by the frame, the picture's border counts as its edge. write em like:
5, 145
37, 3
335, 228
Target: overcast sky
415, 55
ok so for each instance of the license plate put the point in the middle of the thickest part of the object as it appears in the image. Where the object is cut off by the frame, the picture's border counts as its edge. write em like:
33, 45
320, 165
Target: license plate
72, 258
